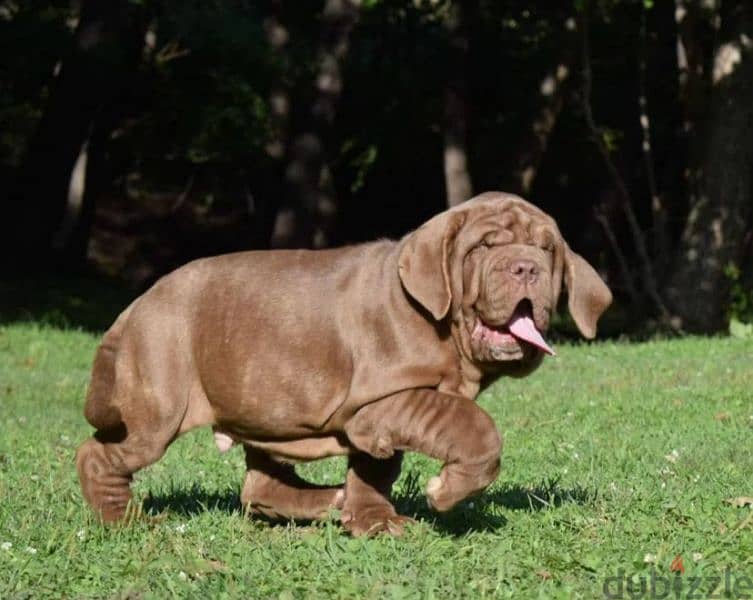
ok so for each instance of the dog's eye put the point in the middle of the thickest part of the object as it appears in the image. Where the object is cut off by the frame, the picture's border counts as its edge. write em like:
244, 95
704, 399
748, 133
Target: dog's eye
547, 244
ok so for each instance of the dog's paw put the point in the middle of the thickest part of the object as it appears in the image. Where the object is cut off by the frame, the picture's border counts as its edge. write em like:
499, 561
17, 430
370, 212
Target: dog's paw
438, 495
457, 482
372, 521
223, 441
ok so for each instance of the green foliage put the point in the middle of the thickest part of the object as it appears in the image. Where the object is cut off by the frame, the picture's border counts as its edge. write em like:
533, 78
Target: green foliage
65, 301
739, 329
208, 83
200, 94
741, 298
612, 138
32, 37
740, 307
607, 466
362, 162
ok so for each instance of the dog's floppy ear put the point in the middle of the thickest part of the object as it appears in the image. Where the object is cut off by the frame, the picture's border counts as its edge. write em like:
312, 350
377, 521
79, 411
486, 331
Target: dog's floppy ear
588, 295
424, 262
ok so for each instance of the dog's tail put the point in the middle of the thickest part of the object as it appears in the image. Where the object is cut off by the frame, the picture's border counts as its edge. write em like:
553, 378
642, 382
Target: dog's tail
99, 410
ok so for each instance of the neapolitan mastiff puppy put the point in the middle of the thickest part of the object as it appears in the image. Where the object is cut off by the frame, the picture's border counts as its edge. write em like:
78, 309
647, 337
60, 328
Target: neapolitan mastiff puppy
366, 350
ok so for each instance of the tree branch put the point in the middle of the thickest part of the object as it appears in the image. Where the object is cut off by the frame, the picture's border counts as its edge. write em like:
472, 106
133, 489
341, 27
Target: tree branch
601, 219
658, 210
457, 176
649, 280
553, 91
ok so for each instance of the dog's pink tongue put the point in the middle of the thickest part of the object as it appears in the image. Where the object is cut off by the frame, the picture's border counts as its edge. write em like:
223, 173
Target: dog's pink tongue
523, 328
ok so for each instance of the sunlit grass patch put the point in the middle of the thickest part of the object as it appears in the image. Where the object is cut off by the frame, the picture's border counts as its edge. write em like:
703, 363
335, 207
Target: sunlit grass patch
618, 458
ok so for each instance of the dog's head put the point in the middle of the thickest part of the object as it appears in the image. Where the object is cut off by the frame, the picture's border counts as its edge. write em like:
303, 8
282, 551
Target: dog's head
495, 265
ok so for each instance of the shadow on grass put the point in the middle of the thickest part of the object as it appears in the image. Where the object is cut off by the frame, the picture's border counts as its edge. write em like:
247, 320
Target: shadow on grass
544, 496
196, 500
482, 513
193, 501
479, 514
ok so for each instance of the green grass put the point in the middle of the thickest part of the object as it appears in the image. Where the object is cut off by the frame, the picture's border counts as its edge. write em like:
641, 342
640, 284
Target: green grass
618, 457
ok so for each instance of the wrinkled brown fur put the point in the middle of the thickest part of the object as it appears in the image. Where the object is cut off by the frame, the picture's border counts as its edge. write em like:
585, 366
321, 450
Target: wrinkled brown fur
366, 350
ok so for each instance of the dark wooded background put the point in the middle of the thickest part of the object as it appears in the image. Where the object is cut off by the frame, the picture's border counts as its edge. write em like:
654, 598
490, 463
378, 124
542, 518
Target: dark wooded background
138, 134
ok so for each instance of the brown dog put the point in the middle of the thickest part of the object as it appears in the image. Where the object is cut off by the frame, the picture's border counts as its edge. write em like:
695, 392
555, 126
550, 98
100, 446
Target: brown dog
366, 351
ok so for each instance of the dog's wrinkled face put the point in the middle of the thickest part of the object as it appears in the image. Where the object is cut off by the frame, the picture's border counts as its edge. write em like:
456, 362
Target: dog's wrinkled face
496, 265
511, 279
509, 306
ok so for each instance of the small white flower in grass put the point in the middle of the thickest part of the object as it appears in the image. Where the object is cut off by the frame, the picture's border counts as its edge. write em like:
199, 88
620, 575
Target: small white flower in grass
211, 538
34, 477
31, 550
81, 534
576, 456
672, 456
65, 439
649, 558
182, 576
181, 528
697, 556
471, 505
6, 545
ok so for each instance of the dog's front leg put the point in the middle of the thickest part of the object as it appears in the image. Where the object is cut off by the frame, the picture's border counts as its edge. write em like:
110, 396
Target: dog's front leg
367, 509
452, 429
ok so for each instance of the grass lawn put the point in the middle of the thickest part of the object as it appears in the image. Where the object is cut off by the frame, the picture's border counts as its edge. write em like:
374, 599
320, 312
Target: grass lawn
618, 457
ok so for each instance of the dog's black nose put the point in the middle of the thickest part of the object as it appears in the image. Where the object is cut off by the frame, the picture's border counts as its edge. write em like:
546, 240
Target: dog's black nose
524, 271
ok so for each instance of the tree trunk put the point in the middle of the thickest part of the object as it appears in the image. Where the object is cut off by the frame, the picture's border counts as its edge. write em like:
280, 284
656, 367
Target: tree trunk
89, 177
553, 92
308, 214
721, 189
649, 280
72, 224
48, 193
457, 175
265, 191
660, 238
279, 97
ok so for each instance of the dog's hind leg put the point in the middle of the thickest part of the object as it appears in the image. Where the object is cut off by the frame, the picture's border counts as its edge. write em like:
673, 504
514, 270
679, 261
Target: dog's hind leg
106, 463
135, 423
273, 489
